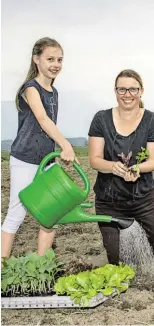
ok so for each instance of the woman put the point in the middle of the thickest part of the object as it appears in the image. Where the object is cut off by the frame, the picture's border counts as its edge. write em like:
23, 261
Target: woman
115, 137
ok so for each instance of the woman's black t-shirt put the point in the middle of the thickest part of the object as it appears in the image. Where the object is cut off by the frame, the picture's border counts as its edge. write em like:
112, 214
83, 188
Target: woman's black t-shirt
109, 186
32, 143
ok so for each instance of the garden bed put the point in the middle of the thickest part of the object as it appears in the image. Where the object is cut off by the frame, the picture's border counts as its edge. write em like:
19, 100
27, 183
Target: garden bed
80, 246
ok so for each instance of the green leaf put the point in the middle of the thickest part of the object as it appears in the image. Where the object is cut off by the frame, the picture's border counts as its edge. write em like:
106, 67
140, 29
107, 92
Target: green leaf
59, 286
114, 280
50, 254
10, 280
123, 288
77, 300
16, 280
42, 269
141, 156
4, 284
91, 293
97, 281
85, 301
31, 266
82, 279
107, 291
76, 294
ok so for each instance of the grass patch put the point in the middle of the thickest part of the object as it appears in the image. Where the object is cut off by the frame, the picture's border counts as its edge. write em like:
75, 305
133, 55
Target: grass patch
5, 156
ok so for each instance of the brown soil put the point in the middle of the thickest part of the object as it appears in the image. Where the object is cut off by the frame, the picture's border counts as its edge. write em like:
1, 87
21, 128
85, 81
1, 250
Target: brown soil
80, 247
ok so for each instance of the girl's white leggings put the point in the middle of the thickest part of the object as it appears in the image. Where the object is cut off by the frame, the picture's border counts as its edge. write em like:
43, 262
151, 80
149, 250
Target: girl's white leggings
21, 175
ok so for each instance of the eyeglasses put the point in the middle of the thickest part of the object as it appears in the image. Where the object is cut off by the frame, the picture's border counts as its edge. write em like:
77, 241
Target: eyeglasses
131, 90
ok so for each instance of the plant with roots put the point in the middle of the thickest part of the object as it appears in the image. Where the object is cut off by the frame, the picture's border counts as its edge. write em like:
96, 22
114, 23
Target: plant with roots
140, 157
125, 158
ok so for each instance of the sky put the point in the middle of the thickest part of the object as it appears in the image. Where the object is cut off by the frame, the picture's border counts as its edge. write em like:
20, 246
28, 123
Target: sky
99, 38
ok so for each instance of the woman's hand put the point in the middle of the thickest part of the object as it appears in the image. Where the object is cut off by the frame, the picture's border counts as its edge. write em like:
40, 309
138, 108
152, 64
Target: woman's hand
119, 169
68, 154
131, 176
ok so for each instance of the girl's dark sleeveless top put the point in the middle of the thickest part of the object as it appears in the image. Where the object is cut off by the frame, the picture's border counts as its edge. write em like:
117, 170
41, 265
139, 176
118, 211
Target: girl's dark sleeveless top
32, 143
109, 186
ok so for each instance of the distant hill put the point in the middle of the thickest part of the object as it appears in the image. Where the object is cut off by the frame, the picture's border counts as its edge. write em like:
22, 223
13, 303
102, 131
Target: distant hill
77, 142
6, 145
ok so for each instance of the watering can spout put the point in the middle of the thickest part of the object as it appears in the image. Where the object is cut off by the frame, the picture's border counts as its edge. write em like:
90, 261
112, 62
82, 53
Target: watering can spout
77, 215
123, 223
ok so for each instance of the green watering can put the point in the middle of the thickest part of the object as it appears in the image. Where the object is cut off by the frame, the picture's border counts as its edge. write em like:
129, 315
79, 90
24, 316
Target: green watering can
54, 198
53, 194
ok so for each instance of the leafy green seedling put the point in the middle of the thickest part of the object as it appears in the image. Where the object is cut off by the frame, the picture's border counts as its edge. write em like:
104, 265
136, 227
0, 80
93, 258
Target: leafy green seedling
30, 274
83, 286
140, 157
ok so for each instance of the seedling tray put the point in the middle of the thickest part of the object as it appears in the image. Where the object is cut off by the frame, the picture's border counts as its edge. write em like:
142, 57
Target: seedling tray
53, 301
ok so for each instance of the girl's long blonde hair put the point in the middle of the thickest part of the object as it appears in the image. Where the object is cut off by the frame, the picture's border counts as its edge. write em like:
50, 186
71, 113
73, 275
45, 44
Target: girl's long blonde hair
38, 48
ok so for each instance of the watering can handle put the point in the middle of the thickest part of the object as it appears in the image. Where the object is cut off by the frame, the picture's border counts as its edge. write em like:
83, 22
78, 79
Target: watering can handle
52, 155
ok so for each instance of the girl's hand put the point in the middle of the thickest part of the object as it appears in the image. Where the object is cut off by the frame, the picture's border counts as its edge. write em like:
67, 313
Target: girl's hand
119, 169
130, 176
68, 155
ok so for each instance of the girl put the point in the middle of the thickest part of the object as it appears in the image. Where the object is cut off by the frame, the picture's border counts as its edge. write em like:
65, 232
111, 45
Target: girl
116, 136
37, 104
